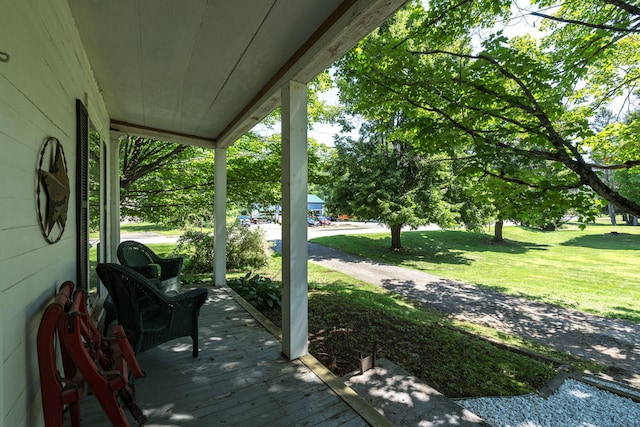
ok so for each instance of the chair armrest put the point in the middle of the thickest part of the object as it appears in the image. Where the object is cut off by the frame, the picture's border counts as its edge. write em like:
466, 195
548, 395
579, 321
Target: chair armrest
198, 295
185, 307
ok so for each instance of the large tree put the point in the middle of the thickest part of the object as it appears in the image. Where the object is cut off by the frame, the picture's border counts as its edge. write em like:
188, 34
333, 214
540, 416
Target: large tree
380, 177
141, 156
515, 109
619, 142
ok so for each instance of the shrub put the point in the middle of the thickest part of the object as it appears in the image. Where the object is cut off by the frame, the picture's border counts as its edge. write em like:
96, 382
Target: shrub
200, 248
246, 248
262, 293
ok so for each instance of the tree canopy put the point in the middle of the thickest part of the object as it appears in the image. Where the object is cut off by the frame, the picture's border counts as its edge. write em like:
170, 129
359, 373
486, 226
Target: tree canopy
517, 109
167, 183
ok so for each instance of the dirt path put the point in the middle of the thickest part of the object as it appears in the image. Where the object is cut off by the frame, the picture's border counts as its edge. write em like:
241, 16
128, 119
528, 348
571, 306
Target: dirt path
612, 342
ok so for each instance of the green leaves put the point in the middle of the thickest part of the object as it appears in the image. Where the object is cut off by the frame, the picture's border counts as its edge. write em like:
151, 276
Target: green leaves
518, 109
381, 177
160, 181
260, 292
169, 183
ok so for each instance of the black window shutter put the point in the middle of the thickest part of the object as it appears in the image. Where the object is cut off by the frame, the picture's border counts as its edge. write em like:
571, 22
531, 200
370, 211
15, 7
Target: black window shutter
82, 194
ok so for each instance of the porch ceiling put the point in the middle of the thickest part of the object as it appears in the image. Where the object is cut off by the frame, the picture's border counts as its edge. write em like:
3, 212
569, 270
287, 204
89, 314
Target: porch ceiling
206, 71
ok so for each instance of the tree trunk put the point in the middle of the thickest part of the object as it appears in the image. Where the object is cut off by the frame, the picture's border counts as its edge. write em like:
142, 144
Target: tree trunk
630, 219
395, 236
497, 236
612, 214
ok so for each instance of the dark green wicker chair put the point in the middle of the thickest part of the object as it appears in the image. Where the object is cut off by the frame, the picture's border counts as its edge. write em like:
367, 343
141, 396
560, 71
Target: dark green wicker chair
149, 316
140, 258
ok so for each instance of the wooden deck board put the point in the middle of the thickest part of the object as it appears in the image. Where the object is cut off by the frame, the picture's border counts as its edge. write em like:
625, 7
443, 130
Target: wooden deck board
240, 378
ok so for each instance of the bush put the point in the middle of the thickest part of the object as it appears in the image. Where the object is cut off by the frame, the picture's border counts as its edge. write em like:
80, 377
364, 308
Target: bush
246, 248
199, 246
262, 293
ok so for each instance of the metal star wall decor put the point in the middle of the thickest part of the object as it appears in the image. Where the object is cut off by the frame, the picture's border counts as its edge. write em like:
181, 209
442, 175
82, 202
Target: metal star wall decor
52, 190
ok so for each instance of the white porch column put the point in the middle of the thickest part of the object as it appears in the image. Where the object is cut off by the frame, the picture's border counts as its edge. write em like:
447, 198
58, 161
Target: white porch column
220, 217
113, 197
295, 322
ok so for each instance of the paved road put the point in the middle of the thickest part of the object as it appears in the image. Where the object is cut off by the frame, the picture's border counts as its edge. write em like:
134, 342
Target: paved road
273, 232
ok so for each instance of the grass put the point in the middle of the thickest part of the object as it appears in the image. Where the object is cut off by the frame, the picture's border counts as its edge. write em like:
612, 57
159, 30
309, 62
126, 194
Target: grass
320, 277
165, 230
347, 315
593, 270
345, 318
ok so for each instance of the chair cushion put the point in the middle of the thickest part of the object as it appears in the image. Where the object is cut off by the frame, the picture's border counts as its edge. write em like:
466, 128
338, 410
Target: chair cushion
171, 285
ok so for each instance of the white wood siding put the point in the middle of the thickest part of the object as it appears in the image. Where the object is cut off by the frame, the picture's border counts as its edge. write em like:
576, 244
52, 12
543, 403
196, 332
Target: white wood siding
47, 71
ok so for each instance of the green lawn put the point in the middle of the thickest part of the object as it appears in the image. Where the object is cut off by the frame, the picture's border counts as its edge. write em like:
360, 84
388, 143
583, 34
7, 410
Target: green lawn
593, 270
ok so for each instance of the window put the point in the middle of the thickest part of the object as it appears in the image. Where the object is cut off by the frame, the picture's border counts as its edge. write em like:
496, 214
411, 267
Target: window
82, 195
96, 194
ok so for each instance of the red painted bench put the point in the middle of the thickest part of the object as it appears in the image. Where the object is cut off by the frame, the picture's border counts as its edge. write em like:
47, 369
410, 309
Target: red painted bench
87, 357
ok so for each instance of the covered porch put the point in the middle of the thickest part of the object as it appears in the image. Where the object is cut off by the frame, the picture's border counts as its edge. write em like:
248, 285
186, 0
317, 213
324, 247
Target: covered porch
202, 72
240, 378
205, 75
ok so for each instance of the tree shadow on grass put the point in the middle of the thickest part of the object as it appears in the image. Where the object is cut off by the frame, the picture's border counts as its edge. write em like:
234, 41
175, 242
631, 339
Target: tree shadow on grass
613, 240
380, 250
624, 313
468, 241
437, 247
609, 341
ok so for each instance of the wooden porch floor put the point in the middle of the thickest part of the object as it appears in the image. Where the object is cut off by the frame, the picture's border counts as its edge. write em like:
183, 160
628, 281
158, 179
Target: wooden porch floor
240, 378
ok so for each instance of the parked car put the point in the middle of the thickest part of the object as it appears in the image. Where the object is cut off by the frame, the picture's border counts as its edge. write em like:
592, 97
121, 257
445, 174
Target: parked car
312, 222
323, 220
244, 220
260, 219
